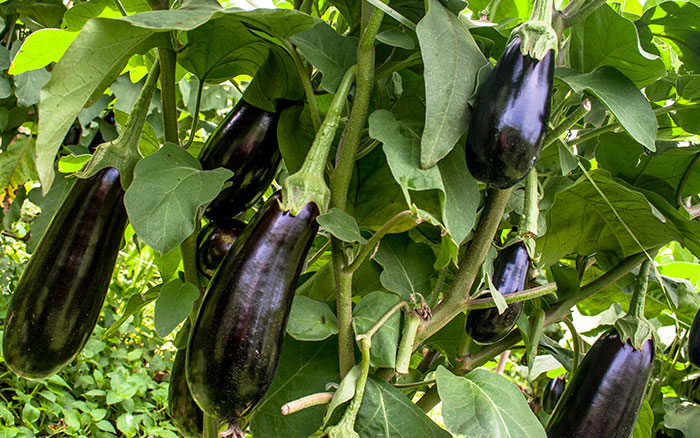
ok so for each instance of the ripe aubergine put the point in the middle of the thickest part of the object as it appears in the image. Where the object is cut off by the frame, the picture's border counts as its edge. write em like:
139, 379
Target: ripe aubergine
215, 239
605, 394
552, 393
510, 270
55, 306
182, 409
235, 343
694, 341
509, 121
246, 143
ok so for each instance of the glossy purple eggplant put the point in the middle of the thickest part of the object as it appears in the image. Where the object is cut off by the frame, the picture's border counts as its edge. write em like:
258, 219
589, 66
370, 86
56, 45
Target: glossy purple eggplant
510, 119
54, 308
605, 394
213, 241
694, 341
552, 393
235, 343
246, 143
182, 409
510, 270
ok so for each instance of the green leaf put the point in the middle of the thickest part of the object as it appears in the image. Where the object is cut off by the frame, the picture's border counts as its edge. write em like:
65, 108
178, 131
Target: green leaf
311, 320
341, 225
396, 38
607, 38
645, 422
295, 134
221, 49
459, 195
41, 13
485, 404
106, 426
29, 84
173, 305
30, 413
72, 419
407, 266
168, 263
621, 97
683, 416
128, 424
581, 221
675, 24
452, 61
386, 412
40, 49
305, 368
276, 79
332, 54
447, 340
72, 163
345, 392
688, 228
169, 187
566, 277
75, 17
133, 306
16, 167
385, 341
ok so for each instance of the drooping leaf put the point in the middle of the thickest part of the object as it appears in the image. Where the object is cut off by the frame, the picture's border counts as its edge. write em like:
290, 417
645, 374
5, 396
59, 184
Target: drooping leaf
407, 265
173, 305
344, 393
276, 79
16, 168
341, 225
622, 98
331, 53
305, 368
485, 404
168, 188
645, 422
311, 320
452, 61
582, 222
386, 412
366, 313
133, 306
608, 38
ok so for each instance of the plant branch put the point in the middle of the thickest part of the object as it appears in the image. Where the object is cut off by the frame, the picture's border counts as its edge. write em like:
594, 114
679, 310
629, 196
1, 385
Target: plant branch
410, 327
343, 291
390, 225
306, 83
575, 17
120, 6
525, 295
168, 63
684, 179
575, 340
452, 303
568, 123
211, 427
320, 398
195, 115
375, 328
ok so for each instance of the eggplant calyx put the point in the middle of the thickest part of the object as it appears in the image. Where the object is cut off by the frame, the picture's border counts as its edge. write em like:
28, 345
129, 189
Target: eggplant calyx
635, 330
536, 39
300, 189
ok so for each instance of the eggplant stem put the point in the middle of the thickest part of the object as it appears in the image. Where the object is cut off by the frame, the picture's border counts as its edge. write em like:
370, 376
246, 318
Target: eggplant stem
308, 401
576, 341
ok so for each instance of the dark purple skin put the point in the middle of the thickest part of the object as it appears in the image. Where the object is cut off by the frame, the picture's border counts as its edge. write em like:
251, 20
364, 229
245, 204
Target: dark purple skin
235, 343
56, 303
246, 143
509, 121
694, 341
510, 270
552, 393
214, 241
605, 394
182, 409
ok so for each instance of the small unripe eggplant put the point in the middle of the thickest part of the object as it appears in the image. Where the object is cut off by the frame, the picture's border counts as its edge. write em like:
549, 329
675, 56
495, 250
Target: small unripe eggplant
510, 270
213, 241
552, 393
510, 119
605, 394
694, 341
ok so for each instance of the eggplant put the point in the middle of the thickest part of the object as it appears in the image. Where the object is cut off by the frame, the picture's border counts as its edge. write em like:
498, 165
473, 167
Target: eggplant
235, 343
509, 121
246, 143
182, 409
605, 394
213, 241
552, 393
510, 270
55, 306
694, 341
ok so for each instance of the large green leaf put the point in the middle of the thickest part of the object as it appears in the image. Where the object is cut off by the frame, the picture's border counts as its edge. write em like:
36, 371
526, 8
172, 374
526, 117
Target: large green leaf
452, 61
683, 416
485, 405
305, 368
674, 23
168, 188
688, 87
221, 49
366, 313
332, 54
173, 305
407, 265
311, 320
582, 222
607, 38
622, 98
40, 49
386, 412
341, 225
660, 173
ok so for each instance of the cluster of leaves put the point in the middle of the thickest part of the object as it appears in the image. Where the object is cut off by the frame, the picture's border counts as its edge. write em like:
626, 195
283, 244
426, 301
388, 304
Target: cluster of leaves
618, 184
